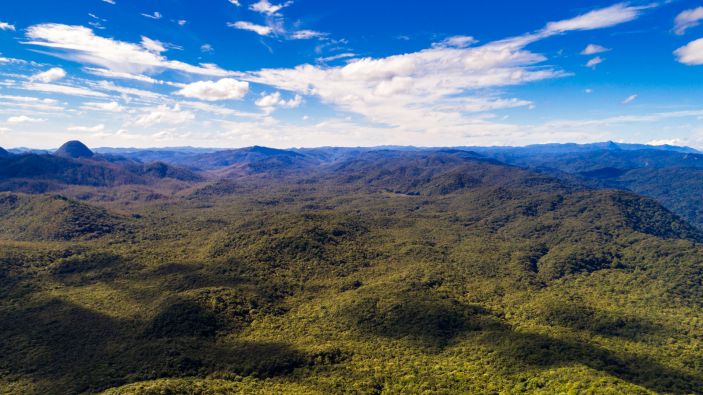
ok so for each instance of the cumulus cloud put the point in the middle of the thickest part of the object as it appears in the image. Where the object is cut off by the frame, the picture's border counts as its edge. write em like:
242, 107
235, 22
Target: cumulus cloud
81, 44
93, 129
629, 99
592, 49
594, 62
691, 53
224, 89
6, 26
275, 100
252, 27
235, 2
164, 114
23, 119
51, 75
688, 19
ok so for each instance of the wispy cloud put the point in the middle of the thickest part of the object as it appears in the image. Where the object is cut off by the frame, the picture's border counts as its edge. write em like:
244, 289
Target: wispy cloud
93, 129
62, 89
81, 44
688, 19
416, 93
592, 63
592, 49
265, 7
164, 114
629, 99
252, 27
6, 26
23, 119
156, 15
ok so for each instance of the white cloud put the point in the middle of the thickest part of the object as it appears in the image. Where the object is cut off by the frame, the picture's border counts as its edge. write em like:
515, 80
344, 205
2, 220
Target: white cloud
28, 99
6, 26
94, 129
594, 62
80, 44
691, 53
23, 119
51, 75
275, 100
224, 89
154, 46
478, 104
335, 57
414, 95
235, 2
265, 7
116, 74
629, 99
164, 114
110, 2
12, 60
62, 89
112, 106
206, 48
597, 19
156, 15
182, 22
306, 34
110, 86
258, 29
457, 42
688, 19
5, 130
592, 49
676, 142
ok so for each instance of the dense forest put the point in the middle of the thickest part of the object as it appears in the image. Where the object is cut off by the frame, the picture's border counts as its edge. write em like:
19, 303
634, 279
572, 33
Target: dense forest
348, 271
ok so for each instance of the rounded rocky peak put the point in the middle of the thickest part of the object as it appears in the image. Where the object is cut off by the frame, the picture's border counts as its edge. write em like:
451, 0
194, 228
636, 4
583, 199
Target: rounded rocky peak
74, 149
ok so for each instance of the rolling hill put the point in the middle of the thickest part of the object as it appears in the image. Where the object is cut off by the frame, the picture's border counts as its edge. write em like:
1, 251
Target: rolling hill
388, 272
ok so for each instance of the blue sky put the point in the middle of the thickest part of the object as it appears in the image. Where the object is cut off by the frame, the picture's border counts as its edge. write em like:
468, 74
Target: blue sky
228, 73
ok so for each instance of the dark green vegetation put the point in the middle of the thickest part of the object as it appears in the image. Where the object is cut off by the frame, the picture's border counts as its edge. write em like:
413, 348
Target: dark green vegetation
372, 272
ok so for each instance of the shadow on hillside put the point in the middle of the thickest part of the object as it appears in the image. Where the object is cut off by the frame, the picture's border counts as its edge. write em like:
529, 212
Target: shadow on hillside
599, 322
429, 320
66, 348
520, 352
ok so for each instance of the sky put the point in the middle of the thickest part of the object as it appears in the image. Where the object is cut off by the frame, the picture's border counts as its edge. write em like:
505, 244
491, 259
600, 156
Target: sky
309, 73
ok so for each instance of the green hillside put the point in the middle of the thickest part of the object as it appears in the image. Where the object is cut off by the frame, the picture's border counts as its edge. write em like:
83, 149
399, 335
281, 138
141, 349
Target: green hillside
426, 273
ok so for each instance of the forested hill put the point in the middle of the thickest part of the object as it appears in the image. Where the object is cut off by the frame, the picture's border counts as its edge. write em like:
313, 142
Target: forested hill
363, 271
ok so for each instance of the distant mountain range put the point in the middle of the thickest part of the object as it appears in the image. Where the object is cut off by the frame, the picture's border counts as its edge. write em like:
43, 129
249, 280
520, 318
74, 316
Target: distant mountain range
672, 175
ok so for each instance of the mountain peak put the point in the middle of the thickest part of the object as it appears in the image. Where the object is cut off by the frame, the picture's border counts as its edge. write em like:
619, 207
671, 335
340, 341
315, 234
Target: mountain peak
74, 149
